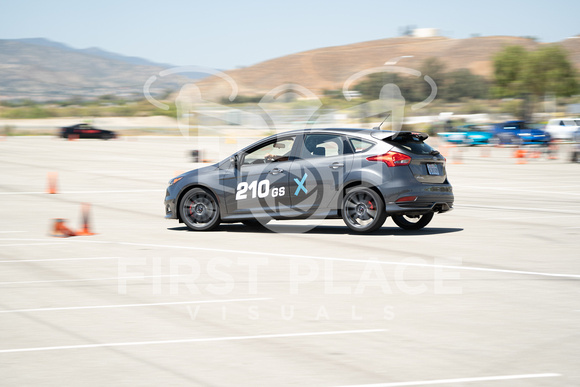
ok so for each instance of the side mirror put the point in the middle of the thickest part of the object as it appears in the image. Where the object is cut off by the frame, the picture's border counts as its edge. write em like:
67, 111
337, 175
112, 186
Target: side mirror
235, 159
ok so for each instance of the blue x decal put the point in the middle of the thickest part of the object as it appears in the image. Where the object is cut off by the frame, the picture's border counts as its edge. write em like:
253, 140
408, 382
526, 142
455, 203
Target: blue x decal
301, 185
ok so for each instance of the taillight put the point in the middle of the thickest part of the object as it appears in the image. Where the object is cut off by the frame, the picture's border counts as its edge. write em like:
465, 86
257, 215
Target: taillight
392, 159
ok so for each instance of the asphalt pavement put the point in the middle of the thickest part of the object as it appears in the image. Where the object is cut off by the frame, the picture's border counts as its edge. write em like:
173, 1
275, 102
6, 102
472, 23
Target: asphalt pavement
485, 295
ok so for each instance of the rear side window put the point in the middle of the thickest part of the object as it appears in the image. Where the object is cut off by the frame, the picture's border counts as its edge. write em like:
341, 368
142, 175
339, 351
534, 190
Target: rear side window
360, 145
412, 144
323, 145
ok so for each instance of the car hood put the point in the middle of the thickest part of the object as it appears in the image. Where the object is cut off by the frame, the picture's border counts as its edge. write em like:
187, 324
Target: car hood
199, 171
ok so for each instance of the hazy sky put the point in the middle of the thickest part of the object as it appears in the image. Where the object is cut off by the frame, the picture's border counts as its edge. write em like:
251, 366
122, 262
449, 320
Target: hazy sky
227, 34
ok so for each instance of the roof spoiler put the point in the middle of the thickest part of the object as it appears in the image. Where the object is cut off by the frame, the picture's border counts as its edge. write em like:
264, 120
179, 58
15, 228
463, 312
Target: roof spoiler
386, 135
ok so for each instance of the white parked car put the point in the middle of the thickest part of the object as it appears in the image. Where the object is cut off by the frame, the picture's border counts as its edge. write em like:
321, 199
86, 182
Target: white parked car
576, 147
562, 128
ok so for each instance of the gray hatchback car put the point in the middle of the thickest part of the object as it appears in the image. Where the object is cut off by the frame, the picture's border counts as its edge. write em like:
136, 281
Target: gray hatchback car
360, 175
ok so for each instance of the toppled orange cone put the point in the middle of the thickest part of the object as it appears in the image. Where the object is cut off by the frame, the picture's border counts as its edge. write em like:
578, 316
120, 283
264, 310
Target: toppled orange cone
86, 230
51, 177
60, 229
520, 155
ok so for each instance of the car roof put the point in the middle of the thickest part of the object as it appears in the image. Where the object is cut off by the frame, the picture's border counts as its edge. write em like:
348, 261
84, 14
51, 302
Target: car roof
375, 133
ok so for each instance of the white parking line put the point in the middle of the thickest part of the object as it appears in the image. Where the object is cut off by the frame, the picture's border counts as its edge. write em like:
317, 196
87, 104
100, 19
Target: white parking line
92, 279
495, 188
459, 380
180, 341
470, 268
10, 232
533, 209
84, 192
27, 239
132, 305
32, 244
57, 259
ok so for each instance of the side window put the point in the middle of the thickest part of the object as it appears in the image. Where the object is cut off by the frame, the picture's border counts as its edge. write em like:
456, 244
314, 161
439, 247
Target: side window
322, 145
273, 151
360, 145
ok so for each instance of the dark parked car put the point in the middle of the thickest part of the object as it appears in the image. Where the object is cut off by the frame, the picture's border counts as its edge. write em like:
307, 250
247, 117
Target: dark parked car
86, 131
519, 133
360, 175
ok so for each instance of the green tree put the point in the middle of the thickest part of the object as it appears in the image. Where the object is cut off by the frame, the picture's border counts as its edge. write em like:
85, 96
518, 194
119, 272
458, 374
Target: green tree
508, 69
462, 83
546, 70
549, 71
370, 87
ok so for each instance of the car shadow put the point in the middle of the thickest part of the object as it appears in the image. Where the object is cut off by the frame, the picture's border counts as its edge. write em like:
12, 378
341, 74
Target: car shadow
324, 230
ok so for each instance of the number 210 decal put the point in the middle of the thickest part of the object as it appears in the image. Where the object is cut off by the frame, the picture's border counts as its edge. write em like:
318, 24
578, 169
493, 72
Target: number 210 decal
260, 189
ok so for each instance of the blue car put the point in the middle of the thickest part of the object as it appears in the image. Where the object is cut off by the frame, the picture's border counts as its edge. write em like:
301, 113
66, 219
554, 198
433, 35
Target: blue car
519, 133
470, 134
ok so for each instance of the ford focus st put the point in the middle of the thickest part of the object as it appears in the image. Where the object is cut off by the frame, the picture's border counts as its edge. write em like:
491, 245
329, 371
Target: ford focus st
360, 175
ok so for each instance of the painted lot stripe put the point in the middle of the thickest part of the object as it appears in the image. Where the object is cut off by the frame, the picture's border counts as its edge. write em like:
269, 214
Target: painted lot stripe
459, 380
10, 232
511, 189
569, 212
84, 192
181, 341
93, 279
470, 268
58, 259
133, 305
26, 239
33, 244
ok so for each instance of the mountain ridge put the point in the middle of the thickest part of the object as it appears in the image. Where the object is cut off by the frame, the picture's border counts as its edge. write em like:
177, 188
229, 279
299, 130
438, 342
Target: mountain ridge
328, 68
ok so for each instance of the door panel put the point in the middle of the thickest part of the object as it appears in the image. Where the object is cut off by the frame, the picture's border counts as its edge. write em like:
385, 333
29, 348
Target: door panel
317, 176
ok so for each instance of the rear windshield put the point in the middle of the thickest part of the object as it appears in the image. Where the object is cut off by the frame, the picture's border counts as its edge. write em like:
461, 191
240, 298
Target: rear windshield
412, 144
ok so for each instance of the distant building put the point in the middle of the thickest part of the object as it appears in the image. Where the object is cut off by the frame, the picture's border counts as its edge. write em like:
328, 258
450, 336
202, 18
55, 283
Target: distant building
425, 32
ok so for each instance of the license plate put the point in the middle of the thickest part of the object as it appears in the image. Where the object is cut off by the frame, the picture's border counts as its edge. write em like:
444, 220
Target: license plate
432, 169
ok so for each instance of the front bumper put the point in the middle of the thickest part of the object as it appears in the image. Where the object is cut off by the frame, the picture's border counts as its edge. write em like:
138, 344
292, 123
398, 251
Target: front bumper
170, 206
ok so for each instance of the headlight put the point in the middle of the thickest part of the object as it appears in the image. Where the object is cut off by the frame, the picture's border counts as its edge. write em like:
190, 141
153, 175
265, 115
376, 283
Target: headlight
175, 180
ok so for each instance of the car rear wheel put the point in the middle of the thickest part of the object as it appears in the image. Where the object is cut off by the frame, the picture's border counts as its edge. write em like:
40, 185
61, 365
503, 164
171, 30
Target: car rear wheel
363, 210
412, 222
199, 210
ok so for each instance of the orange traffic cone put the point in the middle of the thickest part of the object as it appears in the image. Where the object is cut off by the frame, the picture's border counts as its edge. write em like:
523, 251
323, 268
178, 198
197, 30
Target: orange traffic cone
552, 151
86, 208
51, 177
535, 154
520, 155
59, 229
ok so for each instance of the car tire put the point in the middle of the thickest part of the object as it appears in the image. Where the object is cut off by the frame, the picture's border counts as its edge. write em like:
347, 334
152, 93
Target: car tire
199, 210
412, 223
363, 210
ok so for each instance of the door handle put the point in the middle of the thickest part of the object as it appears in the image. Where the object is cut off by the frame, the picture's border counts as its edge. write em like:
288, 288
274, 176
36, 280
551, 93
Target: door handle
276, 171
336, 165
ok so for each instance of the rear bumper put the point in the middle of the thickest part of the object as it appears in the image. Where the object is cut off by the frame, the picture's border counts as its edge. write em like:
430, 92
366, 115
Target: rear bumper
418, 208
436, 198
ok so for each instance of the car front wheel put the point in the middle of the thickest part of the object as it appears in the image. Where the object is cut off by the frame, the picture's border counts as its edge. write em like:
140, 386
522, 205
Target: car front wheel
199, 210
412, 222
363, 210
